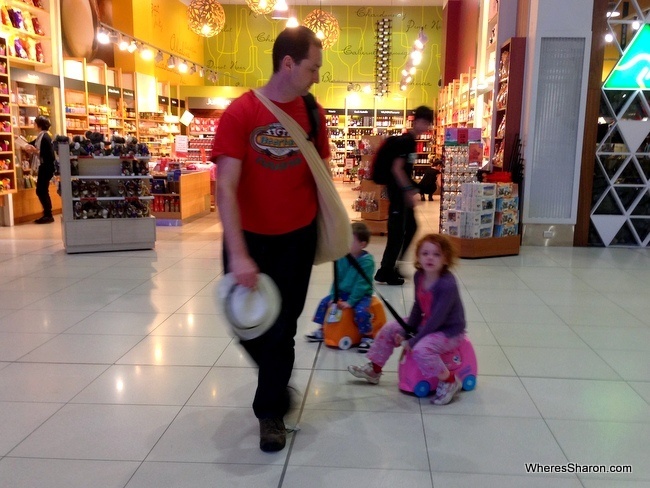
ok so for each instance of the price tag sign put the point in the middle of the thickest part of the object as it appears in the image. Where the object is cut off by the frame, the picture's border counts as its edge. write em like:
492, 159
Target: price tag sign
181, 144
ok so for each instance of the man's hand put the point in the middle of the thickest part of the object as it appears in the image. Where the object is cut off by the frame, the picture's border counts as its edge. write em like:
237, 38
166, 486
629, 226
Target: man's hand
244, 270
409, 197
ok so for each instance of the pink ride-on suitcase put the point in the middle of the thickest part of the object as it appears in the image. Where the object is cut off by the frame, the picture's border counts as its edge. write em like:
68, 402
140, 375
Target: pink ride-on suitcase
344, 334
462, 361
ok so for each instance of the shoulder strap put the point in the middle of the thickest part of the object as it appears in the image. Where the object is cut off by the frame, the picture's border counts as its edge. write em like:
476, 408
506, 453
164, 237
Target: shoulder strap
355, 264
312, 112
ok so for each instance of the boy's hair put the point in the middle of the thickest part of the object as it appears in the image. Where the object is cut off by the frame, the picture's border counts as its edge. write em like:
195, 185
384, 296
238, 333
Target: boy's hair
294, 42
423, 112
445, 246
361, 231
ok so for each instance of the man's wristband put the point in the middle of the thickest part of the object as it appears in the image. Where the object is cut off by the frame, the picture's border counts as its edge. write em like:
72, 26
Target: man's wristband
408, 188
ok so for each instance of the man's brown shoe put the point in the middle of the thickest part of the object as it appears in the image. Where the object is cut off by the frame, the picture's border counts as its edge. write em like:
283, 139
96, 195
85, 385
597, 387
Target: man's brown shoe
273, 435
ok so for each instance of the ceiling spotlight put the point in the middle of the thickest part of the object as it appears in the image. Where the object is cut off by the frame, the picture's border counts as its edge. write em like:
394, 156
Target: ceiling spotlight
182, 66
103, 36
146, 53
609, 37
193, 69
201, 72
123, 44
281, 10
416, 57
292, 21
611, 12
132, 47
159, 57
171, 62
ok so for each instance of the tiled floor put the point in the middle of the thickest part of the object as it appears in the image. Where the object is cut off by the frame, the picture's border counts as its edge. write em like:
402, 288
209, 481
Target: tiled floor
118, 370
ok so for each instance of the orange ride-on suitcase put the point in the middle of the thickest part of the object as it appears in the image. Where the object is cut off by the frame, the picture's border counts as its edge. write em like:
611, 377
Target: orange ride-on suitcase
344, 334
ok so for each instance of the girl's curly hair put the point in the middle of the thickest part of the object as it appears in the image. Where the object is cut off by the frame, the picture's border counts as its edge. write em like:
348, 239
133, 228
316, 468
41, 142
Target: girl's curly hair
447, 249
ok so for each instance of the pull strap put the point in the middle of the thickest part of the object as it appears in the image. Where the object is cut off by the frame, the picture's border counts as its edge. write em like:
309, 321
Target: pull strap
355, 264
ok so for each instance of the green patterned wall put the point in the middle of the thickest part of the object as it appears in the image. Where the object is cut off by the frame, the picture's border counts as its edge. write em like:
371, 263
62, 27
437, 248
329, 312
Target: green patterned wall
242, 52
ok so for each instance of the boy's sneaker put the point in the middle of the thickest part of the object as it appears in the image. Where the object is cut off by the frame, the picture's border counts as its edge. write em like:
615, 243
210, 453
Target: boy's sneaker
446, 391
273, 435
316, 336
366, 342
365, 372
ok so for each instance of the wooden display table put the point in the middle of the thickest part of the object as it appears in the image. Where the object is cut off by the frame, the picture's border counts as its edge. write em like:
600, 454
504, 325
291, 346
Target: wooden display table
376, 221
27, 206
191, 198
486, 248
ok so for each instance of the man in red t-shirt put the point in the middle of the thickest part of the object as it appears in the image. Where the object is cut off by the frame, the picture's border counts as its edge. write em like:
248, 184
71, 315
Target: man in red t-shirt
267, 202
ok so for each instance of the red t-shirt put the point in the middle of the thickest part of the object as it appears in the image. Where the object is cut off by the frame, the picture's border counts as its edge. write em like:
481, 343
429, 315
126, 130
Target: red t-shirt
277, 192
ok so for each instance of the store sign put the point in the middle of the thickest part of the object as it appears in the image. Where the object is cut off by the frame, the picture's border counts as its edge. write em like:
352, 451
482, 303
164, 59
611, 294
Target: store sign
128, 93
34, 77
114, 92
202, 102
632, 72
96, 88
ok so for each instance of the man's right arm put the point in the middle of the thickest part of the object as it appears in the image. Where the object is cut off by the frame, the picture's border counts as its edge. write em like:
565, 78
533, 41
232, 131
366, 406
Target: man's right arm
403, 181
240, 263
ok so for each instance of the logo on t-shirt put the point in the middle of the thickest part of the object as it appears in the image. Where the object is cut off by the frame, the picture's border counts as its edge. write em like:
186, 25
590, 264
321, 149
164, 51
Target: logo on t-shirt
273, 140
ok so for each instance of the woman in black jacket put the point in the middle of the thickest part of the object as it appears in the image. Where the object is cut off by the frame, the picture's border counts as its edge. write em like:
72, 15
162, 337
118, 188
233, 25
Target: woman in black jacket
42, 147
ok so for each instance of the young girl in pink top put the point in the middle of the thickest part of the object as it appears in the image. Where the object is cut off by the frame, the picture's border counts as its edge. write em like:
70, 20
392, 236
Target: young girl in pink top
437, 317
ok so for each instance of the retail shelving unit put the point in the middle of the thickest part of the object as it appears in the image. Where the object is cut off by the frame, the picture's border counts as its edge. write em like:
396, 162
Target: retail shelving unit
104, 209
99, 99
201, 131
508, 101
350, 126
76, 97
7, 163
29, 42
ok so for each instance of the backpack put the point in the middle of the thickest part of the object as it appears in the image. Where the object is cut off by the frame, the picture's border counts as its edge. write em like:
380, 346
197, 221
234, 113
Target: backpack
312, 112
380, 167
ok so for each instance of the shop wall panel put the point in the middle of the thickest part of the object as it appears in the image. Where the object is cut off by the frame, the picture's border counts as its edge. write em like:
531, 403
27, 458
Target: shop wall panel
554, 143
242, 52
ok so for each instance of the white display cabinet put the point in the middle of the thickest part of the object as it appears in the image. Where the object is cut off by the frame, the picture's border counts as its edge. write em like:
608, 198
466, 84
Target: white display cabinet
105, 209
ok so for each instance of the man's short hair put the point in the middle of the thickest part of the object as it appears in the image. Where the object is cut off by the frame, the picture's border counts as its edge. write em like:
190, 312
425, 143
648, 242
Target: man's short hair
294, 42
424, 112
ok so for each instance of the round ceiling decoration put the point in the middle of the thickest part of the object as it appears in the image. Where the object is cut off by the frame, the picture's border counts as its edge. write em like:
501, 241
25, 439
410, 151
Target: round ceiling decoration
206, 17
324, 25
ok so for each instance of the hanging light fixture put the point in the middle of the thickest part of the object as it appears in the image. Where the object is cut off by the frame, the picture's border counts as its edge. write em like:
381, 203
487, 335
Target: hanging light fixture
324, 25
159, 57
171, 62
261, 7
206, 17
